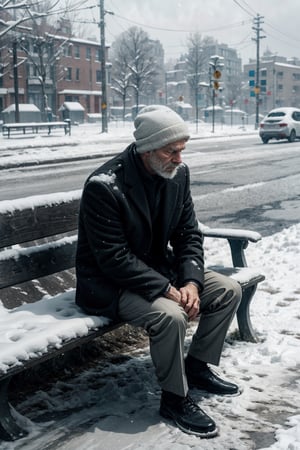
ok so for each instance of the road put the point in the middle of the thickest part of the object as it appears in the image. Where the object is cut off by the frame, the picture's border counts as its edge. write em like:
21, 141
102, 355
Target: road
236, 182
248, 184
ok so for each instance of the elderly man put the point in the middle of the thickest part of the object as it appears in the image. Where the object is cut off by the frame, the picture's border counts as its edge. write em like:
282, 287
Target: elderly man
140, 260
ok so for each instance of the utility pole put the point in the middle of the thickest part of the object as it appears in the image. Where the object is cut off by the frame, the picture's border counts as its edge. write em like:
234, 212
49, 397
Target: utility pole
257, 28
103, 69
16, 81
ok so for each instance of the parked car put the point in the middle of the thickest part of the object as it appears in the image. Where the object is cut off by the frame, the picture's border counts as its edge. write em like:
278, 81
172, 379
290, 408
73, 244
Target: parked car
280, 123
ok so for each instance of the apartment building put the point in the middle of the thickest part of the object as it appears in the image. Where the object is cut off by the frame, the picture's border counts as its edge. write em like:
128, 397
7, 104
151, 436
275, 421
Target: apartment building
279, 82
71, 71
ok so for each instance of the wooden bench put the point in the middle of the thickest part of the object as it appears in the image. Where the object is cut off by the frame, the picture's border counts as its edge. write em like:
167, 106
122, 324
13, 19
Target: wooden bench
38, 239
34, 127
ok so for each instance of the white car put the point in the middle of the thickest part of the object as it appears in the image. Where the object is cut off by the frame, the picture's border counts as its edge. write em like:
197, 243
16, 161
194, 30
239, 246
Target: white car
280, 123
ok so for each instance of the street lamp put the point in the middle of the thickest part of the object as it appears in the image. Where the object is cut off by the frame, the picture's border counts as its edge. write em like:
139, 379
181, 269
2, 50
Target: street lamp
215, 64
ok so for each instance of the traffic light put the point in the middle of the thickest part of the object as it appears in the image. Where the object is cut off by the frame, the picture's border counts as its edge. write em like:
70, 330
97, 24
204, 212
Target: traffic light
217, 74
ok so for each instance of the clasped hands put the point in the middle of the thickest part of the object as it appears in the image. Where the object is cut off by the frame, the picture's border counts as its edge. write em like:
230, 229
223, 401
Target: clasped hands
188, 297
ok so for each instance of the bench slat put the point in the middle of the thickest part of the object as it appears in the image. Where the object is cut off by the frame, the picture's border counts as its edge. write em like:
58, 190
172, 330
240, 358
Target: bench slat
34, 262
53, 352
244, 275
27, 225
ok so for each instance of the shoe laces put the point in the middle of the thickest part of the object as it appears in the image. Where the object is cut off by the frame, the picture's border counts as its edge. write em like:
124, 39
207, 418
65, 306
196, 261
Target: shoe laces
189, 403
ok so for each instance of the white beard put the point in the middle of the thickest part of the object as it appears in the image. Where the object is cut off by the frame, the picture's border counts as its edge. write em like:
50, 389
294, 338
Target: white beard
162, 169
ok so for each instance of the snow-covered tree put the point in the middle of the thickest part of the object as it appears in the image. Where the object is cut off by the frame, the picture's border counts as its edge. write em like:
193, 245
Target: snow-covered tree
15, 13
197, 66
121, 75
136, 67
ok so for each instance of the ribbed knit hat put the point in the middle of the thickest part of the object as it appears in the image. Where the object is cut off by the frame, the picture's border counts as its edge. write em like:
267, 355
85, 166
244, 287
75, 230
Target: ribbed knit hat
157, 126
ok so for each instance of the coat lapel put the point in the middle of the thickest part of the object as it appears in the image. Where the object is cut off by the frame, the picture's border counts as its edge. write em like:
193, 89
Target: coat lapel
135, 189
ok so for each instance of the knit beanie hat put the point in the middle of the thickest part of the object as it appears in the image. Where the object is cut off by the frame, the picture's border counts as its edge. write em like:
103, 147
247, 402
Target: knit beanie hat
157, 126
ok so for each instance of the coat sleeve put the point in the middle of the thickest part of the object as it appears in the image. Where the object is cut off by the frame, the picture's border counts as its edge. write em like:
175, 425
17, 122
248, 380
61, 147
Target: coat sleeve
102, 221
187, 242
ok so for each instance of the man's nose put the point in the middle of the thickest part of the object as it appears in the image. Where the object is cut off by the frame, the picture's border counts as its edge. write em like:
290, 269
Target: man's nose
177, 158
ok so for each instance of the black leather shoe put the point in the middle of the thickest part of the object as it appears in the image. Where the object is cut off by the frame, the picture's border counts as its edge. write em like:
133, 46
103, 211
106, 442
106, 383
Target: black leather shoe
188, 416
207, 380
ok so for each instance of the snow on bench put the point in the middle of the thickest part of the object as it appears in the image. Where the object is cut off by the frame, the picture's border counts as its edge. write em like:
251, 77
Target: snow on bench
38, 238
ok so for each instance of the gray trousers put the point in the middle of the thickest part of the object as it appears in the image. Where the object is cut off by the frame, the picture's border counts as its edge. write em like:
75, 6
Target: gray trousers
166, 323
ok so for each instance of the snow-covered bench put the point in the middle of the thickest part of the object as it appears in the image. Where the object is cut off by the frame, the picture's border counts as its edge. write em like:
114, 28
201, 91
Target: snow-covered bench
34, 127
38, 238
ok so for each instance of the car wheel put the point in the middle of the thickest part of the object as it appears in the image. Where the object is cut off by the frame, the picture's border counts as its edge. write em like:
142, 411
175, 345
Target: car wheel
292, 136
265, 140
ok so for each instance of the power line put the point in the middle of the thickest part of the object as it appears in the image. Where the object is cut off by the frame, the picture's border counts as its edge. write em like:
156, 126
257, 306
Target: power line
244, 8
178, 30
293, 38
249, 7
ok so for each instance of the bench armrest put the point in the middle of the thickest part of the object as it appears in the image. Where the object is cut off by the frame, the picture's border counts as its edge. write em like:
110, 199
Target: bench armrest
238, 240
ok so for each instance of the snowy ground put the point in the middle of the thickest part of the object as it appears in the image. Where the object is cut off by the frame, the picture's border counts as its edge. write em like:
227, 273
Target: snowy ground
115, 406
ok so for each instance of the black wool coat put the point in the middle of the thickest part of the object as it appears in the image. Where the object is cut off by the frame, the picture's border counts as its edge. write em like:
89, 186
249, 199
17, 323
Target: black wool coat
115, 236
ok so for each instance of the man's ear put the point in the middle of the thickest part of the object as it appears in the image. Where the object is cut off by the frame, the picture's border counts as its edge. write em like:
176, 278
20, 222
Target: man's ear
145, 155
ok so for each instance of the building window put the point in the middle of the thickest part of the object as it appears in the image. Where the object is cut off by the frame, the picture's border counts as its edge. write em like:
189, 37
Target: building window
88, 53
68, 50
98, 76
98, 54
263, 72
76, 51
69, 74
71, 98
296, 76
77, 75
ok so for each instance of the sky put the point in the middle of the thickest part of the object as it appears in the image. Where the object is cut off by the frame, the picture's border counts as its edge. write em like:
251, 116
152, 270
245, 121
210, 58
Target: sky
115, 405
228, 21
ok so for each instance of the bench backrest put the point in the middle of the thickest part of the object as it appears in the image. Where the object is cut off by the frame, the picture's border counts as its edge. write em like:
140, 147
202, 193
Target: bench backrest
38, 236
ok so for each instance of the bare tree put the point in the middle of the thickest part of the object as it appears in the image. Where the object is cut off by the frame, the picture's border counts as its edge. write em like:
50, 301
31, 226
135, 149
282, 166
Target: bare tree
135, 57
121, 74
197, 66
233, 90
14, 14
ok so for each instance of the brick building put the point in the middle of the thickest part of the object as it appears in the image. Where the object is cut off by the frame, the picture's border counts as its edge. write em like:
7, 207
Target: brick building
72, 72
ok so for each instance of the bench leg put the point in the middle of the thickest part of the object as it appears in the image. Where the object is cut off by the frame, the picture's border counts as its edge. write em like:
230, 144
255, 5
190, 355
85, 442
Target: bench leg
9, 430
243, 315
